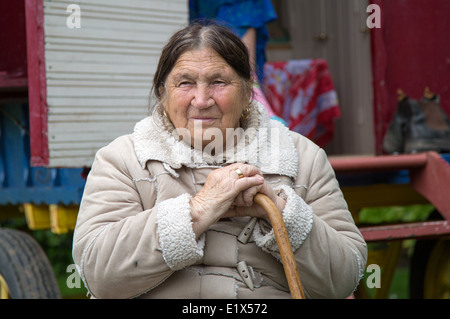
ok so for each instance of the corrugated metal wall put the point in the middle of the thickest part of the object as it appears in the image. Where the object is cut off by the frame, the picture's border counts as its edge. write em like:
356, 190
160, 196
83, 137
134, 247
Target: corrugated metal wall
99, 75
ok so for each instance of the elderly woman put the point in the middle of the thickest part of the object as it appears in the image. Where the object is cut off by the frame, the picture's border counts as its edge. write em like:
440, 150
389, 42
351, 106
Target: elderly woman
168, 211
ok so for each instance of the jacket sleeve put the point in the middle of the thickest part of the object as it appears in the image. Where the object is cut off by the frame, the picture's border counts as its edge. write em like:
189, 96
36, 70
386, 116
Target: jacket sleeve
118, 246
330, 251
334, 255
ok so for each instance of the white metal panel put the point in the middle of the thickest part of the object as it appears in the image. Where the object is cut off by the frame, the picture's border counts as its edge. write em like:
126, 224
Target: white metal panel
99, 75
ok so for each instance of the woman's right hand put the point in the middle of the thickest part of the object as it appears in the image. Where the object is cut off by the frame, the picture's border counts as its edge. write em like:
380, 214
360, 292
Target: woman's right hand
220, 190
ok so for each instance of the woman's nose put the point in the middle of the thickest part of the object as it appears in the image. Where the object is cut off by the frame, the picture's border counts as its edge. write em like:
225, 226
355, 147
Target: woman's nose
202, 97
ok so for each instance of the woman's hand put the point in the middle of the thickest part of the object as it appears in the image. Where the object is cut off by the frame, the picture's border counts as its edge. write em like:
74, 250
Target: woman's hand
244, 204
226, 194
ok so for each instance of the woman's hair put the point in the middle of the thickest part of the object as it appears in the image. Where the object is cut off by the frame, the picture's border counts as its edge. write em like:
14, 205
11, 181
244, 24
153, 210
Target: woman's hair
202, 35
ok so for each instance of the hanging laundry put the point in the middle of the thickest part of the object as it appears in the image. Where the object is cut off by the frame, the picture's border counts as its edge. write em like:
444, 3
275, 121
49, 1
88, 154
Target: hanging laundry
302, 93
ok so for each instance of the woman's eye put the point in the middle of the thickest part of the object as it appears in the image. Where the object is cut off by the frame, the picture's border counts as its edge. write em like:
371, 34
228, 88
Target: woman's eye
184, 83
218, 82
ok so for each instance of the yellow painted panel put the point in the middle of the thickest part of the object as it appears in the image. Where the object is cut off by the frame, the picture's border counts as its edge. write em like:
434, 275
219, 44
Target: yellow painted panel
37, 216
63, 218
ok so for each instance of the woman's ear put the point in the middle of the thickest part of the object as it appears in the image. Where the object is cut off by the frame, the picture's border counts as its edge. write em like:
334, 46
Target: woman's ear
162, 91
250, 91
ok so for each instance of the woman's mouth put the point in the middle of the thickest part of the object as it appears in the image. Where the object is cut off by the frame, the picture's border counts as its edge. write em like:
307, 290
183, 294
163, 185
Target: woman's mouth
203, 120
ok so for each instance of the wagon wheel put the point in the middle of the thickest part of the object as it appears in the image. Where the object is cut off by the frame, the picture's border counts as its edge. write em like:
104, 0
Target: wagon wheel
437, 275
4, 290
25, 271
430, 269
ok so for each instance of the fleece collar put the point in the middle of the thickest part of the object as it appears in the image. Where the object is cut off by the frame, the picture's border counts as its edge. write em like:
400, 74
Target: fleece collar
268, 145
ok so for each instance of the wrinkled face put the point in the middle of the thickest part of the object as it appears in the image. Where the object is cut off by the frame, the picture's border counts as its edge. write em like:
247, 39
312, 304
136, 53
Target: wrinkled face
204, 92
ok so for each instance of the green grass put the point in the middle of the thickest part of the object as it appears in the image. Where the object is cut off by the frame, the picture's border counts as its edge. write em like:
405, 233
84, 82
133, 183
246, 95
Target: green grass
395, 214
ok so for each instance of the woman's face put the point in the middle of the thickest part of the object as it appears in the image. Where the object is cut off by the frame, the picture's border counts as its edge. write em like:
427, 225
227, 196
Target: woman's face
203, 91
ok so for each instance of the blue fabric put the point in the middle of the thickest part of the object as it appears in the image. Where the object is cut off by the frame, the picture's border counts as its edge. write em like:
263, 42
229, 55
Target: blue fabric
239, 15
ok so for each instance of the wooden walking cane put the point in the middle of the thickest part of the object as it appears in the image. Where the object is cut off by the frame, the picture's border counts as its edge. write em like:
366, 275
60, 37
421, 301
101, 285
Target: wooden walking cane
281, 235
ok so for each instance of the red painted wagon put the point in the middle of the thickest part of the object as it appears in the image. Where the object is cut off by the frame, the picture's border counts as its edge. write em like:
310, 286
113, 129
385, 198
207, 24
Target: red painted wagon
403, 180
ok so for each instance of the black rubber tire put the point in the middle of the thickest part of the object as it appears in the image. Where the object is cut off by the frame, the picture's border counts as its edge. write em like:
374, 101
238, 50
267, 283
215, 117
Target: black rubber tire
25, 267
